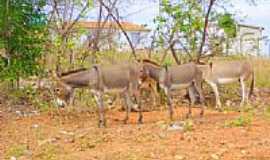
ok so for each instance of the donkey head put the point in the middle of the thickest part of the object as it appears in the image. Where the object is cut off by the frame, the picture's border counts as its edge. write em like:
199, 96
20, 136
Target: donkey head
61, 91
140, 71
150, 68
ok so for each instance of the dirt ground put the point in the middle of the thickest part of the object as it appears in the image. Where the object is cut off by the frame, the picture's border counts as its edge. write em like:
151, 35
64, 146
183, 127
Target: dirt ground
75, 136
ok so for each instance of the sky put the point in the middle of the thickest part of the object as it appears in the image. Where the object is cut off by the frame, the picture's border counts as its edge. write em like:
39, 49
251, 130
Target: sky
255, 15
258, 15
143, 12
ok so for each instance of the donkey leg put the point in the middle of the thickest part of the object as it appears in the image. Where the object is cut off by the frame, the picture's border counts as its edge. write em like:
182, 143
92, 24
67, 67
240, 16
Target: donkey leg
138, 101
192, 98
242, 83
215, 89
128, 106
169, 102
99, 100
198, 88
71, 98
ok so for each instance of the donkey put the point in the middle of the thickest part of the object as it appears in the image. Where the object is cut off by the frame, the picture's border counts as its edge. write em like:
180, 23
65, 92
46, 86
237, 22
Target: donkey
218, 73
186, 76
122, 78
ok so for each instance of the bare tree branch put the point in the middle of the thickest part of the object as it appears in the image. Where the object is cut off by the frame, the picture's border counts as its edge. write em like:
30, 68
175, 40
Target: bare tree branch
76, 19
211, 3
120, 26
174, 53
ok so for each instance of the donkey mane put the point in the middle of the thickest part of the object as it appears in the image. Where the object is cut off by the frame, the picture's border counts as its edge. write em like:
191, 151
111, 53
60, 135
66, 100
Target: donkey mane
72, 71
151, 62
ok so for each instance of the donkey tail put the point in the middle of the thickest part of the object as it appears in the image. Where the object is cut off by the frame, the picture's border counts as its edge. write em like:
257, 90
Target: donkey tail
98, 74
166, 67
252, 85
96, 68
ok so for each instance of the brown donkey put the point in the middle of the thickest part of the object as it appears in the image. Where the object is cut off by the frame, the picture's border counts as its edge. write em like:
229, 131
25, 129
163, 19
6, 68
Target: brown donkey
123, 78
186, 76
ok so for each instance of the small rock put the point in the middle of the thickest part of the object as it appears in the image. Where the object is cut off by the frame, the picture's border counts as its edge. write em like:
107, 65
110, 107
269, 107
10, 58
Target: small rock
162, 135
214, 157
175, 127
66, 133
35, 112
243, 152
223, 142
35, 126
50, 140
162, 124
13, 158
19, 113
28, 153
228, 103
222, 151
70, 140
179, 157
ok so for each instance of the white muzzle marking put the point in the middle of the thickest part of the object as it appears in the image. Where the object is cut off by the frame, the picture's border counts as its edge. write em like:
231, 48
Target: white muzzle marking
59, 102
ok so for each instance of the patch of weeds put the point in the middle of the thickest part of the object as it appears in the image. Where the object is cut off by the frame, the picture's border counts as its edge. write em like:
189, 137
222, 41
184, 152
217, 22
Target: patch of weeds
85, 98
15, 151
128, 155
86, 143
37, 99
241, 121
248, 108
227, 109
267, 112
38, 133
188, 125
132, 156
48, 152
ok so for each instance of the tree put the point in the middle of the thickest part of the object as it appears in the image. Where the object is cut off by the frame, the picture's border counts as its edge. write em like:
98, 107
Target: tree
22, 36
63, 17
180, 24
185, 24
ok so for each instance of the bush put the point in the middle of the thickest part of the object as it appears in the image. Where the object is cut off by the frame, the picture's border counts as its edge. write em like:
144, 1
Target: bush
241, 121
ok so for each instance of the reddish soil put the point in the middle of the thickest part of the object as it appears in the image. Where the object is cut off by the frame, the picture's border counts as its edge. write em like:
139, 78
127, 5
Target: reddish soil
75, 136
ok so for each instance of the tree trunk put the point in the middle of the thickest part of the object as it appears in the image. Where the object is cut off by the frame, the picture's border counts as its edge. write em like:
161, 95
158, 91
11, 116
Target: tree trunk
174, 54
121, 28
211, 3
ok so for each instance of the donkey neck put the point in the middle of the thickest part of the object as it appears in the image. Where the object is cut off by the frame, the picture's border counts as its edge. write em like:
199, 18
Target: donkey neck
154, 72
78, 79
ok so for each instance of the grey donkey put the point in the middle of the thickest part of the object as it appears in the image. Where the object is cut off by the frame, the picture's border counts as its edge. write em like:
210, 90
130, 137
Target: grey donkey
123, 78
218, 73
185, 76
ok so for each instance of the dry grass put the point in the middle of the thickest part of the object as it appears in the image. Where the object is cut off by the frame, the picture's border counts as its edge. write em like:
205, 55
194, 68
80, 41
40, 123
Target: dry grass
262, 70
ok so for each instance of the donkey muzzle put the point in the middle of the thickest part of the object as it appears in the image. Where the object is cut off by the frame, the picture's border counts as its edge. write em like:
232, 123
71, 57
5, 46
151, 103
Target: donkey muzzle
60, 103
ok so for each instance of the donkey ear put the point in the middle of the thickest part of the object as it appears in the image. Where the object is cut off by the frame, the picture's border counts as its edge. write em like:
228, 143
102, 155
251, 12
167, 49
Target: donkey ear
211, 65
139, 60
54, 75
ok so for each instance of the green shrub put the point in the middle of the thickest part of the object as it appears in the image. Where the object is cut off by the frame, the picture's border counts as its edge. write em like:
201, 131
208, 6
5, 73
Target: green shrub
241, 121
15, 151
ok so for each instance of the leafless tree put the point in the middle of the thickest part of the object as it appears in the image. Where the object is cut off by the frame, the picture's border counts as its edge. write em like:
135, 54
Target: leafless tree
114, 17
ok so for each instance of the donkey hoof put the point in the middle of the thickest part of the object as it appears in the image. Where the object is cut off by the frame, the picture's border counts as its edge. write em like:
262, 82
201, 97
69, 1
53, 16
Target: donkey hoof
125, 121
219, 109
101, 124
188, 115
201, 113
140, 121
